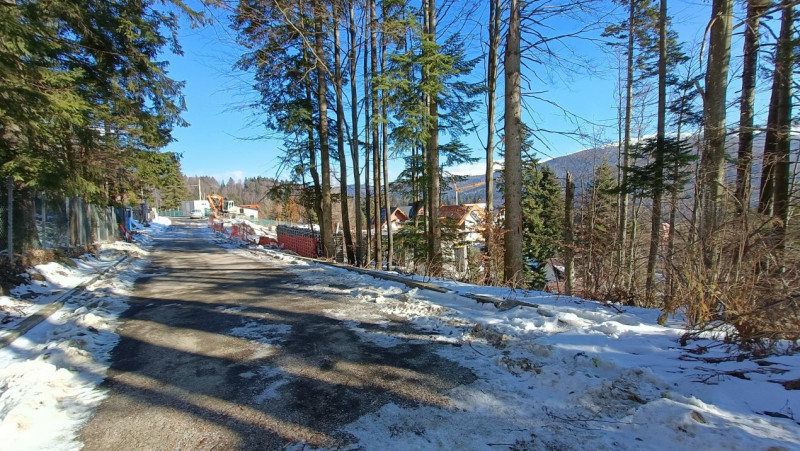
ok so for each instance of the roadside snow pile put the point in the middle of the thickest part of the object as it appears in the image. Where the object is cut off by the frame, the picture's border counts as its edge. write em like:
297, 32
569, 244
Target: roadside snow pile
564, 373
48, 377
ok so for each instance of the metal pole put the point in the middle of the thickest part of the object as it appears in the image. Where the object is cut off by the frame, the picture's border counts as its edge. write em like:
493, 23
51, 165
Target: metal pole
10, 230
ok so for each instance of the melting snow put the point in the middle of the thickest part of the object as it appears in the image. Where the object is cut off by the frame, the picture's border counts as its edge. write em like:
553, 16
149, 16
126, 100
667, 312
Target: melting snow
568, 374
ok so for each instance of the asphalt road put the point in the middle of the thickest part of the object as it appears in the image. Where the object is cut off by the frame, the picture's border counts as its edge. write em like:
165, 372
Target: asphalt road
221, 352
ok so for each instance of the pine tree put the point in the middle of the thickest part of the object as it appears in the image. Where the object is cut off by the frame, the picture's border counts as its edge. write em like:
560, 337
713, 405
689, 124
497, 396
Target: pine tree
596, 231
82, 96
542, 219
406, 91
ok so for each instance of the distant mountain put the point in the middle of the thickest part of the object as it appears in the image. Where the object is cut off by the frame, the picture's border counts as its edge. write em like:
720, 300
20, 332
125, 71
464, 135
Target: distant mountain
582, 165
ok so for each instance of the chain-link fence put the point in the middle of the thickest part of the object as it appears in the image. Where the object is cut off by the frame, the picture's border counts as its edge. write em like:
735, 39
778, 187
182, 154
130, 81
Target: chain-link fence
48, 222
171, 213
72, 222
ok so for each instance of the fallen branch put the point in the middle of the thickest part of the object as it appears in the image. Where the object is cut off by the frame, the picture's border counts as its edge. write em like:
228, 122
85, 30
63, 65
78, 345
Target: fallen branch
501, 304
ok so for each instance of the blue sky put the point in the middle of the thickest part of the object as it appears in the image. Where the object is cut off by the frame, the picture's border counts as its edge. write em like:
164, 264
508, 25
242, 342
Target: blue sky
221, 139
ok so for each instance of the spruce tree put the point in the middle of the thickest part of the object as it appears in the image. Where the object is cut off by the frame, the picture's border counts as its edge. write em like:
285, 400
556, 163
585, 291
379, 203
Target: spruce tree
595, 233
542, 219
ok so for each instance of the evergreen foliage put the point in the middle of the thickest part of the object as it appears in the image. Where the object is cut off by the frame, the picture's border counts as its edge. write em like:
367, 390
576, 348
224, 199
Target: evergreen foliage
542, 217
85, 102
596, 229
675, 170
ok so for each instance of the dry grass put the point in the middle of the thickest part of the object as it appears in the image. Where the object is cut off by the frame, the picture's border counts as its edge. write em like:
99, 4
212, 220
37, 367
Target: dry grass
752, 295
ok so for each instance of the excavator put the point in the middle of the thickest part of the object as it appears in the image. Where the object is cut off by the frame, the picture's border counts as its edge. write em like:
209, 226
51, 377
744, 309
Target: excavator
219, 206
224, 208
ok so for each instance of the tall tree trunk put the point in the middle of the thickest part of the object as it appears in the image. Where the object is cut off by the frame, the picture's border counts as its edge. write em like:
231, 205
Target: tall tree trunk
385, 145
367, 147
767, 189
326, 222
658, 180
432, 152
783, 126
673, 213
312, 150
513, 164
376, 162
712, 173
775, 121
632, 268
593, 265
569, 204
491, 81
354, 150
624, 198
755, 9
340, 126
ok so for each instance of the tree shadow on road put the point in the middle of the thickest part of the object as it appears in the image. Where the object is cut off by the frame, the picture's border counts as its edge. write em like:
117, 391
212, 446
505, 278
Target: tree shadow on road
237, 349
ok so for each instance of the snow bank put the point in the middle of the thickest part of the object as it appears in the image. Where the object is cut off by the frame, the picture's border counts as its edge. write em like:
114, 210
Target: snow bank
49, 376
567, 374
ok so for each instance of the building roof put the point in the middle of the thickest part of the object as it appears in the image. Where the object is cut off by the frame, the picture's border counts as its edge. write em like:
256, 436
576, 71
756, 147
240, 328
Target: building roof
459, 213
397, 213
407, 210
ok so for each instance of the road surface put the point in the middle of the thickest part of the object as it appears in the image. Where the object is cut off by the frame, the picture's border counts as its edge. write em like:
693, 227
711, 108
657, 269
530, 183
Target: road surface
221, 352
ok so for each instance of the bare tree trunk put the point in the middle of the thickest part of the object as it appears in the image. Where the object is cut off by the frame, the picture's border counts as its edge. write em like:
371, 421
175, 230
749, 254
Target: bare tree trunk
658, 181
385, 144
673, 211
767, 191
344, 201
775, 122
624, 198
376, 165
592, 265
354, 150
491, 81
749, 69
432, 152
783, 72
693, 221
712, 163
569, 255
312, 152
631, 263
513, 163
367, 148
326, 222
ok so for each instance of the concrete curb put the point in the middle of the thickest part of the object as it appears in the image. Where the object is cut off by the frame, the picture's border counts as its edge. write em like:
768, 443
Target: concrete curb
43, 313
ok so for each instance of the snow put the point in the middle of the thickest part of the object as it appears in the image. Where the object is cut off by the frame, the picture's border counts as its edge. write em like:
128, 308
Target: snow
49, 377
564, 374
571, 373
